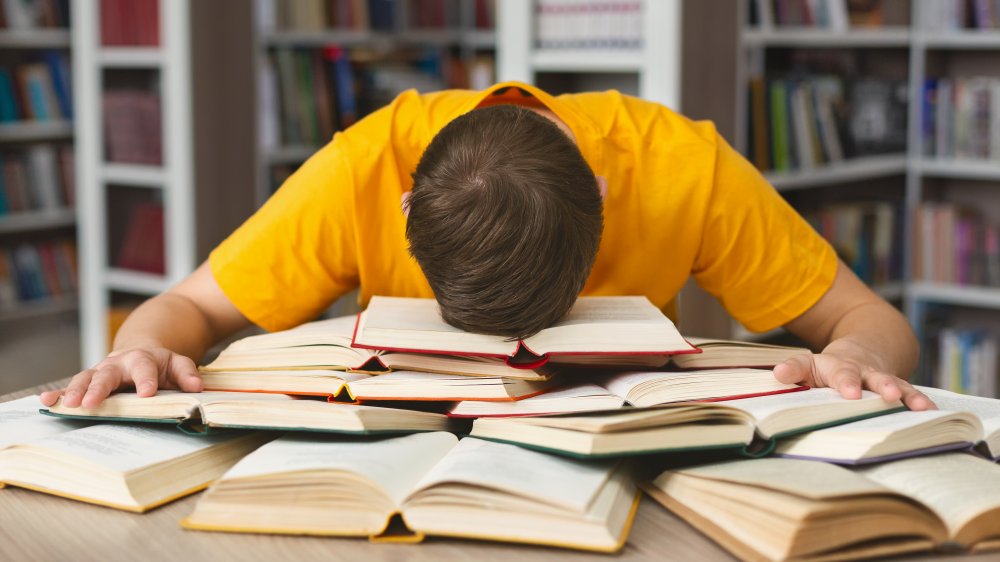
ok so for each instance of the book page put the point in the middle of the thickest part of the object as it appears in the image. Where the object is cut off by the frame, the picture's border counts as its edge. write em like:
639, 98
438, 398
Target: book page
395, 464
808, 479
332, 331
896, 421
396, 323
988, 409
555, 480
605, 310
124, 448
22, 423
407, 314
956, 486
761, 407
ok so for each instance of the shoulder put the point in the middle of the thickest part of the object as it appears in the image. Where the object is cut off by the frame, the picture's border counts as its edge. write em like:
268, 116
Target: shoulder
616, 114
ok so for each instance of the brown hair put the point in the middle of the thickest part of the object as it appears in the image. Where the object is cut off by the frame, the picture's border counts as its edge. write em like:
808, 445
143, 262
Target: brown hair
504, 220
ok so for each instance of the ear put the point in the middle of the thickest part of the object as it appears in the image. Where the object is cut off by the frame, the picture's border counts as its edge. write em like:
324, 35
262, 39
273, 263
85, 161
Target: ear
602, 186
404, 201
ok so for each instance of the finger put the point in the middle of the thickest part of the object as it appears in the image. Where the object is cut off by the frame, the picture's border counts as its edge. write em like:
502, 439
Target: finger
846, 379
797, 369
145, 374
914, 399
185, 374
106, 379
885, 384
76, 387
50, 397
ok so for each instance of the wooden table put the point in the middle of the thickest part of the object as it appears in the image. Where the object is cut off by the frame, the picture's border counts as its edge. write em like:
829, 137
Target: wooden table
35, 526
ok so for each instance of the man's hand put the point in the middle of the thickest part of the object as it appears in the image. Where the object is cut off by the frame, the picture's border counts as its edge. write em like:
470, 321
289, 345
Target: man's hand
849, 377
144, 368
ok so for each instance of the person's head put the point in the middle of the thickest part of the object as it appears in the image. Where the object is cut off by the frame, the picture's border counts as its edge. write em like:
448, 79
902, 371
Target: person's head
505, 221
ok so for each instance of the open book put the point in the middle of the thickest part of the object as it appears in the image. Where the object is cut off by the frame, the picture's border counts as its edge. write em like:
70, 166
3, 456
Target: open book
436, 484
636, 388
717, 354
986, 409
787, 509
411, 385
597, 330
899, 435
265, 361
196, 412
134, 468
750, 425
22, 423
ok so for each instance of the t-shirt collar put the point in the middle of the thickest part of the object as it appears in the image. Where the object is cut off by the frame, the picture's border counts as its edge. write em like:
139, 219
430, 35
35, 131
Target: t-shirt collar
584, 130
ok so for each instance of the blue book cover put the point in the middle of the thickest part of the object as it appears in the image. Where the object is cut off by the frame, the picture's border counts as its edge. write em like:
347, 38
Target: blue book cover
61, 82
36, 98
8, 103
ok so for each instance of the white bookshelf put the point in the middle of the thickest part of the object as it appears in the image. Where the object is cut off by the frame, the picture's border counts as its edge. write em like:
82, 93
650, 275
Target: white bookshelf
656, 64
856, 169
16, 44
171, 59
466, 38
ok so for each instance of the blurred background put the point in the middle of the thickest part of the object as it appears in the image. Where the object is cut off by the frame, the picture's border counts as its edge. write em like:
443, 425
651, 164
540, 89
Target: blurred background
135, 134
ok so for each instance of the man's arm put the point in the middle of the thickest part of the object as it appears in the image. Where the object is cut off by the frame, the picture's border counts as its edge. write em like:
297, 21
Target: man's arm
866, 344
155, 346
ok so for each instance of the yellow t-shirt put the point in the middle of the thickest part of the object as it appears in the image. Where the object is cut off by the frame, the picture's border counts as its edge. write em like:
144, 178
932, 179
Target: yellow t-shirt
680, 201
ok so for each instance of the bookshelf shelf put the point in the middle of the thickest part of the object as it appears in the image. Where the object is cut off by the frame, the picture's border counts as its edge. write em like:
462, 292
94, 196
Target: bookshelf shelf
987, 170
886, 37
959, 295
851, 170
25, 131
39, 308
130, 57
27, 221
134, 175
587, 60
135, 282
352, 38
35, 39
964, 40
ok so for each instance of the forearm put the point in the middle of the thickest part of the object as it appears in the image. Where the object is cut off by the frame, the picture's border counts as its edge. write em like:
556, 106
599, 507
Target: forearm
170, 321
876, 334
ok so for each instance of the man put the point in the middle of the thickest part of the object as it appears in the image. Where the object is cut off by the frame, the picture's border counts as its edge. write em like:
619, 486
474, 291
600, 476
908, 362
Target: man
518, 202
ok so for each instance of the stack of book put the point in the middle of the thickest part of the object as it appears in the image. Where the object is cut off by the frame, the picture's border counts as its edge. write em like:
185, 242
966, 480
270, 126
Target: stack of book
588, 24
551, 426
132, 124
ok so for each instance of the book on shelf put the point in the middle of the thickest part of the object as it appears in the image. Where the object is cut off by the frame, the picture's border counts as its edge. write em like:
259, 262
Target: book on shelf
431, 483
132, 126
641, 330
955, 244
866, 235
326, 345
35, 271
202, 412
130, 23
36, 90
143, 246
36, 178
958, 15
21, 15
749, 426
961, 117
588, 24
133, 468
966, 361
787, 509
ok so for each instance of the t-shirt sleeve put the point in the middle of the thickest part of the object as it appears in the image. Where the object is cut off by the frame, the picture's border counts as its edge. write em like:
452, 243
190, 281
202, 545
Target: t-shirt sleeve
758, 256
297, 253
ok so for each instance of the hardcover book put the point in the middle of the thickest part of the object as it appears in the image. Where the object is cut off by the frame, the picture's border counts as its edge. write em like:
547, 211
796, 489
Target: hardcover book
749, 426
427, 484
787, 509
199, 412
597, 330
